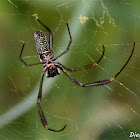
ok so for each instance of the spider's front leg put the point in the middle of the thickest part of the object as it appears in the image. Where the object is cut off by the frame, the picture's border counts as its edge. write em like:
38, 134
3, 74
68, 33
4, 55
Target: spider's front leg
41, 113
68, 47
50, 34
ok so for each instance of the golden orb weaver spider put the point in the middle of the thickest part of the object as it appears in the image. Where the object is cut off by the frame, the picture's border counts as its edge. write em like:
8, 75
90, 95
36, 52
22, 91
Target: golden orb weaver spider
51, 67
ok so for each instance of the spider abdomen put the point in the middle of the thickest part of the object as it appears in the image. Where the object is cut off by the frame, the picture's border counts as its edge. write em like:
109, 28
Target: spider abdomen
41, 42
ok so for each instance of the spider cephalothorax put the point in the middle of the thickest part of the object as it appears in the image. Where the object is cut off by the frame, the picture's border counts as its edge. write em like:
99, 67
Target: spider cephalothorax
51, 67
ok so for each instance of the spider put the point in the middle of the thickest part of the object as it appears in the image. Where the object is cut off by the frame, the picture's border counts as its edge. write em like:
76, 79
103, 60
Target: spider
51, 67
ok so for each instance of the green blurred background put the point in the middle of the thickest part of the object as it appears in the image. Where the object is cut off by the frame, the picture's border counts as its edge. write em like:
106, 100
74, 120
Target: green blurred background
99, 113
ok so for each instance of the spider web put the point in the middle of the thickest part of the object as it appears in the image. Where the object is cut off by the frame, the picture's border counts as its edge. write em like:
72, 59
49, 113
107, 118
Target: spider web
103, 112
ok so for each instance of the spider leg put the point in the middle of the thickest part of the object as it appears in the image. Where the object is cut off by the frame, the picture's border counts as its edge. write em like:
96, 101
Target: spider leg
67, 46
97, 83
41, 113
50, 34
85, 67
26, 64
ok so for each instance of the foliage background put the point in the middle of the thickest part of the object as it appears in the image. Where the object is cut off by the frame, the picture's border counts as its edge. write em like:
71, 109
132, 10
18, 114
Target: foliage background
105, 112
